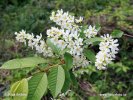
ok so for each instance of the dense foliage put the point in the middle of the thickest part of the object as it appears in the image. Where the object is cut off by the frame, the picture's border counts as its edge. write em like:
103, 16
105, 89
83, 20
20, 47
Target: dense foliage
113, 16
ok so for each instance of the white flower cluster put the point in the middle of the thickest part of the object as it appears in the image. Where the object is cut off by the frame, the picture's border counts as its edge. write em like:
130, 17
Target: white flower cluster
108, 49
65, 20
68, 36
66, 39
90, 32
33, 42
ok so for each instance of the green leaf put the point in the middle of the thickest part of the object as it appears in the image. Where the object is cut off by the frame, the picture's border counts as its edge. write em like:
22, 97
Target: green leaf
93, 40
23, 63
82, 35
73, 79
53, 47
117, 33
56, 80
90, 55
19, 89
37, 86
67, 83
64, 51
68, 60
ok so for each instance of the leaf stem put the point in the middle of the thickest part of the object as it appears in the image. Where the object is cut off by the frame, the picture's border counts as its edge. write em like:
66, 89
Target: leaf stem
49, 67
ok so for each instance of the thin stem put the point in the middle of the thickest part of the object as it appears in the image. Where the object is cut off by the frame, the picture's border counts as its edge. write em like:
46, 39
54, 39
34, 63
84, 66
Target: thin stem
39, 68
128, 35
49, 67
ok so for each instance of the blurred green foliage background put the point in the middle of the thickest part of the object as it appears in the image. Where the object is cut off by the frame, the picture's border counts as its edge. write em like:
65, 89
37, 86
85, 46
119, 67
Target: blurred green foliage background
33, 16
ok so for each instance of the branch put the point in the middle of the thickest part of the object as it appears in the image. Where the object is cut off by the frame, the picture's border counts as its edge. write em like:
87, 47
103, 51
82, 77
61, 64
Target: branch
128, 35
49, 67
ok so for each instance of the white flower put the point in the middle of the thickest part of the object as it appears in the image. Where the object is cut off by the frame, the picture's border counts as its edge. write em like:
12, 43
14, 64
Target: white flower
77, 50
30, 43
80, 61
54, 40
90, 32
21, 36
79, 41
61, 95
79, 20
61, 44
29, 36
55, 32
108, 49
